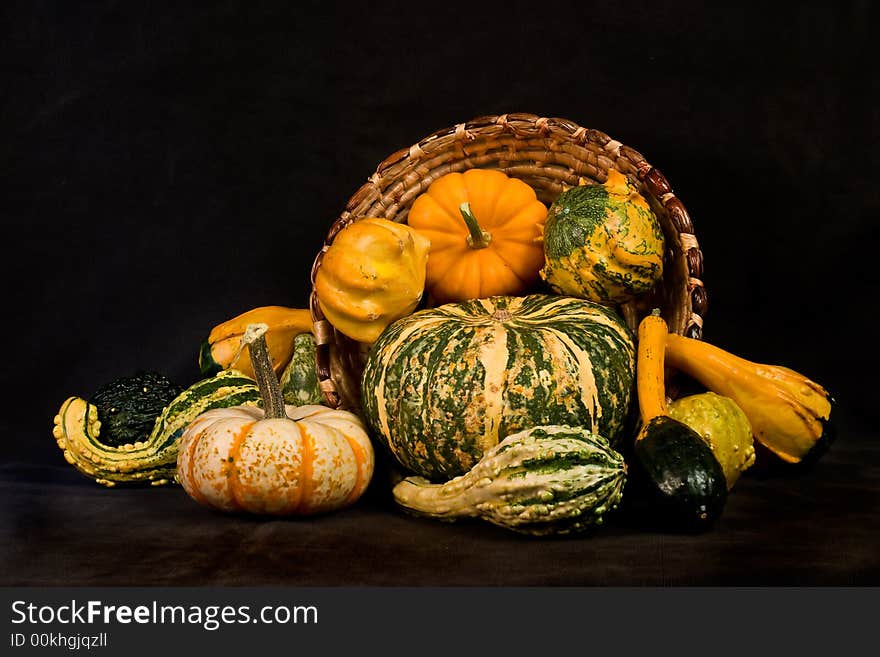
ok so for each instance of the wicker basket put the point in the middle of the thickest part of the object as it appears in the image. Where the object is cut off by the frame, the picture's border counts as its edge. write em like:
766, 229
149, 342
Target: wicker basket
550, 154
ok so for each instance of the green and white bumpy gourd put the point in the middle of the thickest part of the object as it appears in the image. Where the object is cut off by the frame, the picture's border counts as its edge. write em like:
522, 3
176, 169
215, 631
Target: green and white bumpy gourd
442, 386
544, 480
154, 459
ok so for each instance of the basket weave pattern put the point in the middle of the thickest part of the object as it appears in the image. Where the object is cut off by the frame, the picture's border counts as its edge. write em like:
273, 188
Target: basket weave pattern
550, 155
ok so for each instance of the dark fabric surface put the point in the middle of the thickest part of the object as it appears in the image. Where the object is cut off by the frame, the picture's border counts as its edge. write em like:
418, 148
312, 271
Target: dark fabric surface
166, 167
780, 527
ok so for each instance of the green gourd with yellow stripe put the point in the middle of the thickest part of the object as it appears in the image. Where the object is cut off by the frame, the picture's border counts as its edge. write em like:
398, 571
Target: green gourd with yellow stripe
603, 242
84, 430
443, 385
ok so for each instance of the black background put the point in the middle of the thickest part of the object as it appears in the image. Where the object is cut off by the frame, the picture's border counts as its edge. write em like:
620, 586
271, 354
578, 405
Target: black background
168, 166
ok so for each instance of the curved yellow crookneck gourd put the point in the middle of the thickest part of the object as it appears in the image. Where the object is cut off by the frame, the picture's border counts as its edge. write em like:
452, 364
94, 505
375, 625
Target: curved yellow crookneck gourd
222, 350
789, 414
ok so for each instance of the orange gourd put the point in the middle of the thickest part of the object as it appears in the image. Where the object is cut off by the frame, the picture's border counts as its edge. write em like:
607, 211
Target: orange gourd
372, 275
485, 230
223, 348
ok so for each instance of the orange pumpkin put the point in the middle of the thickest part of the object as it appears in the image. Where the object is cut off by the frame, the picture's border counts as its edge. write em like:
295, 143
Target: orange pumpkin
286, 460
485, 230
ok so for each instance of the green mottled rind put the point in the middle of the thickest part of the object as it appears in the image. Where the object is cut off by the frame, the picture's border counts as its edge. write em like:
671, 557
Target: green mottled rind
128, 407
443, 385
299, 381
686, 481
588, 229
228, 388
207, 365
723, 426
543, 480
153, 459
580, 211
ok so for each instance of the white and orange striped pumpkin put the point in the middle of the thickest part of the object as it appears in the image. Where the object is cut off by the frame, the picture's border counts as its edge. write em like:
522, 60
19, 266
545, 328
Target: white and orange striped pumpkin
286, 460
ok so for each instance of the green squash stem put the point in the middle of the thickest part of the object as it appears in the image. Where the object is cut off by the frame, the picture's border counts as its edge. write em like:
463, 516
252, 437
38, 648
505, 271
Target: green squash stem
479, 238
273, 401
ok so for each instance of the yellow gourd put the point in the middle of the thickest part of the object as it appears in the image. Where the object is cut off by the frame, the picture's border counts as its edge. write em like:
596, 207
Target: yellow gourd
222, 350
485, 230
372, 274
789, 414
724, 427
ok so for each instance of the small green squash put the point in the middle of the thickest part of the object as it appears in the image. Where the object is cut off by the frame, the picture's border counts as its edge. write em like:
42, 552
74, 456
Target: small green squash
540, 481
153, 458
603, 242
442, 386
299, 381
723, 426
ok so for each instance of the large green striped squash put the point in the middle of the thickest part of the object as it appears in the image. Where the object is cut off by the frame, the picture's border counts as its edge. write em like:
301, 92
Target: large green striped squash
443, 385
603, 242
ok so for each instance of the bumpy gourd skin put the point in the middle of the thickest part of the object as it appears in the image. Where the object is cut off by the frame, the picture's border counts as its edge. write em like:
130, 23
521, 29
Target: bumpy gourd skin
603, 242
789, 414
372, 274
724, 427
153, 458
129, 406
544, 480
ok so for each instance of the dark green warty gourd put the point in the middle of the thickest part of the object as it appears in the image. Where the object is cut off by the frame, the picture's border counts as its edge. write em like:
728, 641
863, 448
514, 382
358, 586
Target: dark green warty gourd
128, 407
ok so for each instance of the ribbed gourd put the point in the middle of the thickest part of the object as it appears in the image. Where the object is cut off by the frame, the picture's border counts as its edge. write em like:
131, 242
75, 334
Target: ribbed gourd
540, 481
278, 459
485, 230
603, 242
372, 274
444, 385
153, 458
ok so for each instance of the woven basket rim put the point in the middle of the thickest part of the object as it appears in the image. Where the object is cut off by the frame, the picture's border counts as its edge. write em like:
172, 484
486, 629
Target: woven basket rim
566, 150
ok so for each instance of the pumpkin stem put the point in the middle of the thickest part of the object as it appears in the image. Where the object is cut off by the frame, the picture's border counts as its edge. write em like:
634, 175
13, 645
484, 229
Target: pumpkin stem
273, 401
479, 238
